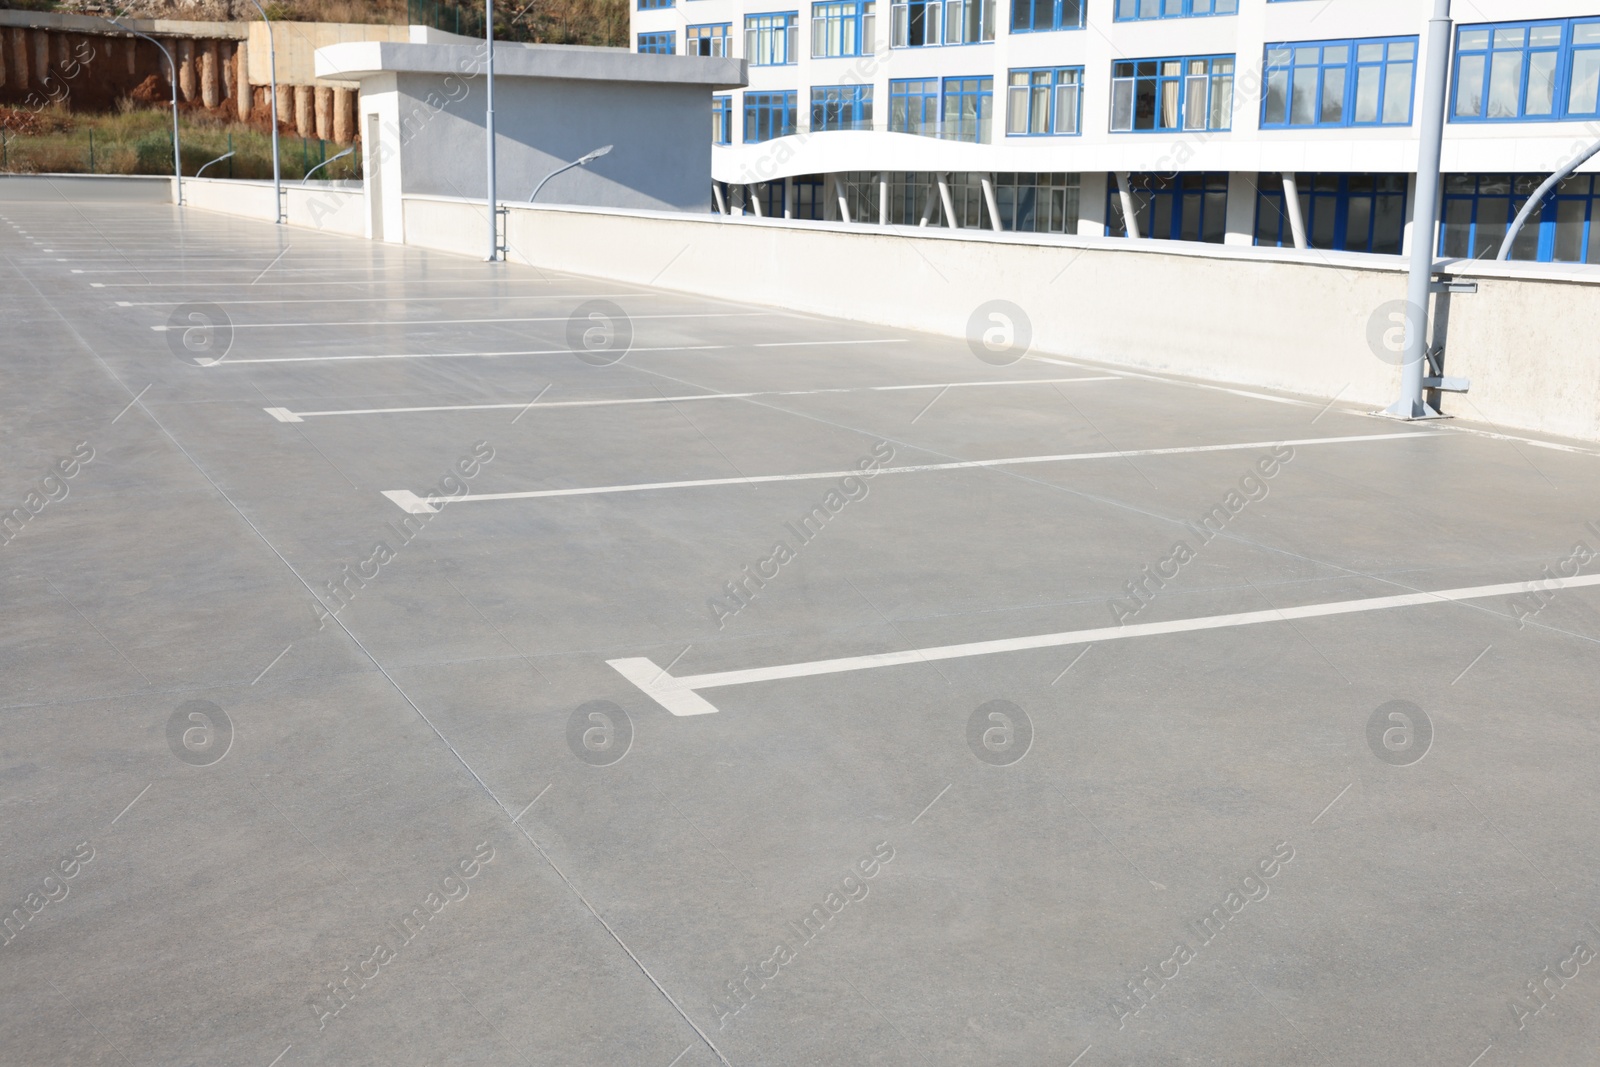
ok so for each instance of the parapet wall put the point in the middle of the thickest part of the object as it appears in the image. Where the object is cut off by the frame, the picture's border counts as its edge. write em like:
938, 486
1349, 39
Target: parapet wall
1302, 322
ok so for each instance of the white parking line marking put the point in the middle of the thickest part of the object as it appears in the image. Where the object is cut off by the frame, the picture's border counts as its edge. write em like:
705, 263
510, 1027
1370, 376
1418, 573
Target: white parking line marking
549, 352
385, 297
285, 415
418, 505
680, 696
163, 328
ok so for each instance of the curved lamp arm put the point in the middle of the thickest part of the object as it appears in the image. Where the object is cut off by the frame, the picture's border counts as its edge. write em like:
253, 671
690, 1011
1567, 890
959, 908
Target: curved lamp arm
325, 162
177, 156
581, 161
1538, 197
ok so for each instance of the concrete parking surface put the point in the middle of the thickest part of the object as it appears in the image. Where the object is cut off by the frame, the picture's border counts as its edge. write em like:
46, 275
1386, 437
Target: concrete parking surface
413, 660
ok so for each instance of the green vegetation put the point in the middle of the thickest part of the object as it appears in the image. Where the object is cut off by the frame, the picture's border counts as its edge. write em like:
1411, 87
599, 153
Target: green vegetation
140, 142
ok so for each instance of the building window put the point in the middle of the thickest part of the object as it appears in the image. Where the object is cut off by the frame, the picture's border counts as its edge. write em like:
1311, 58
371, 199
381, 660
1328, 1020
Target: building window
1037, 203
1037, 16
1342, 212
1479, 209
968, 108
710, 40
1340, 83
1172, 207
841, 107
914, 106
1136, 10
1044, 102
1527, 71
721, 120
664, 44
1189, 93
649, 5
768, 115
769, 39
843, 29
916, 23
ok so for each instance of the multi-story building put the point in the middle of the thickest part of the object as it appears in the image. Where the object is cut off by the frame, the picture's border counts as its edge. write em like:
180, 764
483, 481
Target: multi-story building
1204, 119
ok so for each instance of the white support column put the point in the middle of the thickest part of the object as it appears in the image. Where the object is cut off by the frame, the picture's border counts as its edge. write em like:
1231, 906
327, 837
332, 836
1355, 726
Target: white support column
753, 196
830, 203
1241, 213
788, 198
843, 197
883, 198
716, 194
927, 209
736, 200
1130, 218
1092, 203
1291, 207
947, 202
987, 181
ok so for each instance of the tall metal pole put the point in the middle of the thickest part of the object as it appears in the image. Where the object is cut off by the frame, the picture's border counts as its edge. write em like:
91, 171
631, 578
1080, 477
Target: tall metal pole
1425, 219
494, 218
272, 67
177, 157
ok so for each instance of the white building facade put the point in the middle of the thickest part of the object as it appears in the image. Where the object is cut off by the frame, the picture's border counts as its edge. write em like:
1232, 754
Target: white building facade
1204, 119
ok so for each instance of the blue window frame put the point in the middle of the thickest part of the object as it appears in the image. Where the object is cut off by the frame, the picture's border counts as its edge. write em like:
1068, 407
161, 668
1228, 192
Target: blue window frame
769, 39
843, 28
659, 43
1039, 16
1044, 102
968, 109
914, 106
1527, 71
721, 120
768, 115
710, 39
1340, 83
841, 107
1342, 212
1173, 207
917, 23
1478, 209
1139, 10
1174, 93
649, 5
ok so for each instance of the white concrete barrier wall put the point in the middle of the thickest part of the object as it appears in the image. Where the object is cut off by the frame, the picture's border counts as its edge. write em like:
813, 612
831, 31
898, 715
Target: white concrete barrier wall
331, 207
1281, 319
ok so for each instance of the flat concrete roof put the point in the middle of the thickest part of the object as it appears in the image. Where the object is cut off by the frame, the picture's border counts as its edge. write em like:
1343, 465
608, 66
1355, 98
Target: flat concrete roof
1325, 797
362, 59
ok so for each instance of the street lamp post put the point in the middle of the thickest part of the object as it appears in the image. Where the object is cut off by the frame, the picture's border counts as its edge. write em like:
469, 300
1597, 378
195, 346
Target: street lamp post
1425, 219
177, 157
494, 219
272, 77
581, 161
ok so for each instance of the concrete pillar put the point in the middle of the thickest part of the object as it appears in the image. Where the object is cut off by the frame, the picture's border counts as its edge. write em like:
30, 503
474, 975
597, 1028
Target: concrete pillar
210, 76
830, 203
344, 115
324, 112
303, 121
754, 200
1241, 215
62, 44
1130, 217
947, 202
1092, 187
844, 198
241, 81
1291, 207
19, 58
285, 104
989, 201
788, 198
883, 198
132, 47
716, 194
186, 79
225, 50
41, 57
